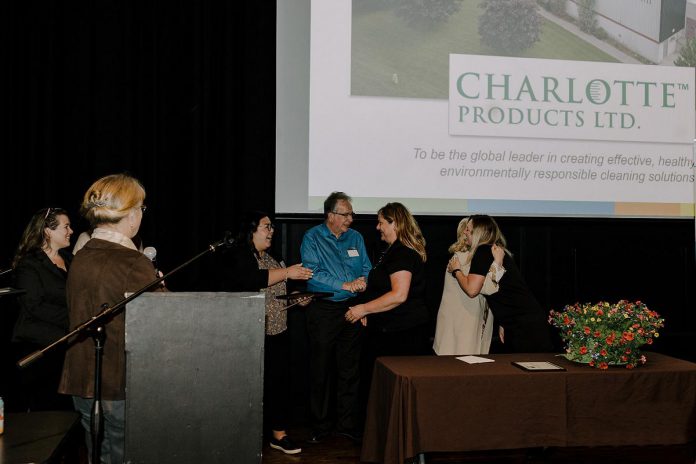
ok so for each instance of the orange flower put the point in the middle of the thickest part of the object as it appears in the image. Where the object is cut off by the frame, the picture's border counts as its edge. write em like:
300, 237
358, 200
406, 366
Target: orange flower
607, 333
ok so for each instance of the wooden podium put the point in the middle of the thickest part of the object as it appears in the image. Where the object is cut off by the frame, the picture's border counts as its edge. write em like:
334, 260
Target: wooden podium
194, 377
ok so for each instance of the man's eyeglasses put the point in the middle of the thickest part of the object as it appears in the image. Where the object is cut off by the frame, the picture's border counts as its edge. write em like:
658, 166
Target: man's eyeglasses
268, 226
345, 215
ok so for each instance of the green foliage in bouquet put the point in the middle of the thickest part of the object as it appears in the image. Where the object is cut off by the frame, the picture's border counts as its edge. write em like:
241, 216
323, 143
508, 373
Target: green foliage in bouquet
604, 334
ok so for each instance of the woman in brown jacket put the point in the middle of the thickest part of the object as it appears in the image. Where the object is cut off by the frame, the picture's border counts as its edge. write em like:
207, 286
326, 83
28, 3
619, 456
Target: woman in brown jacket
108, 266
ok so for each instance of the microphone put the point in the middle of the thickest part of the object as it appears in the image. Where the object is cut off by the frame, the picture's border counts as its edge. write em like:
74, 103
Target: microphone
227, 241
151, 253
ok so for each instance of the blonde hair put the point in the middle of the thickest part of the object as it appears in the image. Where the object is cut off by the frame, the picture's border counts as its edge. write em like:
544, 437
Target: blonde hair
460, 244
110, 199
407, 230
485, 231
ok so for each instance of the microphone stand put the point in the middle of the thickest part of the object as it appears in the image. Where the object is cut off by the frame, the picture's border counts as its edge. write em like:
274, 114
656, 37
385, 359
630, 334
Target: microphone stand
95, 327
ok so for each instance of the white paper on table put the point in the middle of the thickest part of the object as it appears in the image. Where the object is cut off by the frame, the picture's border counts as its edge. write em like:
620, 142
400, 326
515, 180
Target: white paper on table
474, 359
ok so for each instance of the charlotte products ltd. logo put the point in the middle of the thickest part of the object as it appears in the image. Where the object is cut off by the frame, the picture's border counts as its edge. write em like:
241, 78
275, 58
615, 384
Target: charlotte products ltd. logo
518, 97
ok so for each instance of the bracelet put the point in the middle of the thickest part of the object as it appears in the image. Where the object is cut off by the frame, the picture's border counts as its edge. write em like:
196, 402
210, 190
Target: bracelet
454, 273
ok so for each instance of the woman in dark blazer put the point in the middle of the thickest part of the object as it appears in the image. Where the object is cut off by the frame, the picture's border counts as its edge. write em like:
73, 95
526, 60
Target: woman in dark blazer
41, 266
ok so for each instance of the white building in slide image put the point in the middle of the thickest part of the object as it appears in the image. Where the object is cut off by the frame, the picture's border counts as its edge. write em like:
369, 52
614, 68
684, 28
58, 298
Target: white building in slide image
650, 28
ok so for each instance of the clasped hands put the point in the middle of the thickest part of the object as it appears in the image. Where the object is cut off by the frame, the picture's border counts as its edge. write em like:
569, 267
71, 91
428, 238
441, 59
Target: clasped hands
355, 286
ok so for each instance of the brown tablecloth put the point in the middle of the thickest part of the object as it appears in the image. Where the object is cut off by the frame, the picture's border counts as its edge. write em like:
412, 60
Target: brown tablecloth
438, 404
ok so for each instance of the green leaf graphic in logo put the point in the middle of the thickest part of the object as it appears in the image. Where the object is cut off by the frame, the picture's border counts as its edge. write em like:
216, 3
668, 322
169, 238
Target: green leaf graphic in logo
598, 92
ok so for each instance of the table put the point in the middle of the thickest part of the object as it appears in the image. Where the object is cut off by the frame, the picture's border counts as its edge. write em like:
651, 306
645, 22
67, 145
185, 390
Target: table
440, 404
37, 436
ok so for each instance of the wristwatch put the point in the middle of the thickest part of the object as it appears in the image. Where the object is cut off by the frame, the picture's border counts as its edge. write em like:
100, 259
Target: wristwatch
455, 272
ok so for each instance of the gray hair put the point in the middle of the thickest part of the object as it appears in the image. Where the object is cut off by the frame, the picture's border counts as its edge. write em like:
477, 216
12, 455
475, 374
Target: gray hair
332, 200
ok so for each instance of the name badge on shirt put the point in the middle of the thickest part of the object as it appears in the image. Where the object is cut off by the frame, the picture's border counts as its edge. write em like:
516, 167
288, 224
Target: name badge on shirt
353, 253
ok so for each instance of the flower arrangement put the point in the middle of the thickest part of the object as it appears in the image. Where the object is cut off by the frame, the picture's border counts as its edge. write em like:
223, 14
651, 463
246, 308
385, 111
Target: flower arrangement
604, 334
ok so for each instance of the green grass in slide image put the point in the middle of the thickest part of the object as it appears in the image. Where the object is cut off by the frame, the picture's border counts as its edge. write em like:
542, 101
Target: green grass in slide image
392, 58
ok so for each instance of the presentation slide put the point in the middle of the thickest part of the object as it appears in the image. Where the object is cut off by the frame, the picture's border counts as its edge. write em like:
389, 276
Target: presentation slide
433, 106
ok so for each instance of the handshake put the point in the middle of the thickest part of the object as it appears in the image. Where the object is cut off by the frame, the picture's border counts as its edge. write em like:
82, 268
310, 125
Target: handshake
355, 286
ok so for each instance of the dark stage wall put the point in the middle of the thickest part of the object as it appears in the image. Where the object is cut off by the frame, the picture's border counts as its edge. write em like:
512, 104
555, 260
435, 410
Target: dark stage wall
178, 93
181, 94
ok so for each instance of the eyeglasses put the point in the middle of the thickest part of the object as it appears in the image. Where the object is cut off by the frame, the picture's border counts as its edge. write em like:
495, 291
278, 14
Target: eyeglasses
143, 208
268, 226
345, 215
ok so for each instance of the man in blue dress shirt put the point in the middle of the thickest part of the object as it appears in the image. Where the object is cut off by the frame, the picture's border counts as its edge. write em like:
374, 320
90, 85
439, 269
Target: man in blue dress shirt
337, 257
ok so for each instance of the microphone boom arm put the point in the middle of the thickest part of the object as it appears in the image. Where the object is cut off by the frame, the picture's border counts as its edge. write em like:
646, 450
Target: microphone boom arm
227, 241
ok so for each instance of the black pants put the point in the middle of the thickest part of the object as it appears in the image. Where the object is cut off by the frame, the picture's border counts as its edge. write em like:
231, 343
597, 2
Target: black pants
38, 382
333, 342
276, 381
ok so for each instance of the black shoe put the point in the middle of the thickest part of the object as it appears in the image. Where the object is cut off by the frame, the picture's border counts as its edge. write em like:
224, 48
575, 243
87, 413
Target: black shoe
285, 445
317, 437
354, 436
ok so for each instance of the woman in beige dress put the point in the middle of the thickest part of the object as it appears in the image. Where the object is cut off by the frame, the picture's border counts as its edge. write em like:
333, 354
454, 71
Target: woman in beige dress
464, 324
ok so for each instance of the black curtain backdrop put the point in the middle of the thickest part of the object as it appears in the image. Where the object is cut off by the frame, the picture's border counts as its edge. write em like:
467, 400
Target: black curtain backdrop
181, 94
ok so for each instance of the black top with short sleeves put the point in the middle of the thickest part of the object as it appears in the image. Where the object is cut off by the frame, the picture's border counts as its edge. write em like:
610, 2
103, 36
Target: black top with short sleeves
412, 312
514, 306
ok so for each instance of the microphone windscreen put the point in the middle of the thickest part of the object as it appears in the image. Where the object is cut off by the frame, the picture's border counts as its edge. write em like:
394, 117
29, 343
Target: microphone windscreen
150, 253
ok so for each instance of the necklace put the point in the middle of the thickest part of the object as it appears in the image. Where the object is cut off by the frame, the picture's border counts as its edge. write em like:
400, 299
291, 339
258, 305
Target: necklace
56, 259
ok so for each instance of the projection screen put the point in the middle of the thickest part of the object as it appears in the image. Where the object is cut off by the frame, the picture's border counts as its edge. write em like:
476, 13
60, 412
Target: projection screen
375, 100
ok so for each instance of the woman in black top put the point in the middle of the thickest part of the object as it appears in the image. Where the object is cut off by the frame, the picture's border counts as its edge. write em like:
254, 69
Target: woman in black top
41, 266
394, 310
514, 307
249, 267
